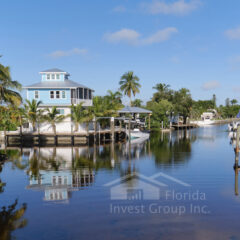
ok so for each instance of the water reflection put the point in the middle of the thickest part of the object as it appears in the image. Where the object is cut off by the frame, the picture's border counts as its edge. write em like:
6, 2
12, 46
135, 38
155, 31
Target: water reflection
11, 220
58, 171
236, 171
172, 149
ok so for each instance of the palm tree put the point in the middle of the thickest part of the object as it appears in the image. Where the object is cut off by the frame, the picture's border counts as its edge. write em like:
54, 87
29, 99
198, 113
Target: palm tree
33, 113
77, 115
137, 103
163, 92
6, 85
161, 87
88, 116
5, 119
234, 101
129, 84
52, 116
18, 117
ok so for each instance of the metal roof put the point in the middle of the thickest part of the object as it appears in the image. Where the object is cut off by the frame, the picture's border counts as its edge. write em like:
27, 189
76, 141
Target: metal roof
53, 70
57, 84
128, 109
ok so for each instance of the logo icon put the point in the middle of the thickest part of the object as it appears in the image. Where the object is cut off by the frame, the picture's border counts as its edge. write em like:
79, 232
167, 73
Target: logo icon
137, 186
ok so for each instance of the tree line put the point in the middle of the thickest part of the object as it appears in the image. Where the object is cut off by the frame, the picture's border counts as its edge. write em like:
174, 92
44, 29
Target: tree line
164, 104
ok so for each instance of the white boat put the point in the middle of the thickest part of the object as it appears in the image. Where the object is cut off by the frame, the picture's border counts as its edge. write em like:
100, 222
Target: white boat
204, 122
138, 136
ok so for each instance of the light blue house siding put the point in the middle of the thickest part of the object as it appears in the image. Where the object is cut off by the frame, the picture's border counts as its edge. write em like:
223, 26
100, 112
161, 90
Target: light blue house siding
54, 182
44, 96
48, 176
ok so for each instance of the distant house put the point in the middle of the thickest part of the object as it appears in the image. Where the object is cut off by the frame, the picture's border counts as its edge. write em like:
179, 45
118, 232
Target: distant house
56, 89
209, 115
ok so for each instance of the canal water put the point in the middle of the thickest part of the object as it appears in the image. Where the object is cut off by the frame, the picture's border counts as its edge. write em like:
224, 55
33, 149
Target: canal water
179, 185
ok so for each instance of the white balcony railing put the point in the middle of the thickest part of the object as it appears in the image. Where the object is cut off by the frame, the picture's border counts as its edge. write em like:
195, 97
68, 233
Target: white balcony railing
86, 102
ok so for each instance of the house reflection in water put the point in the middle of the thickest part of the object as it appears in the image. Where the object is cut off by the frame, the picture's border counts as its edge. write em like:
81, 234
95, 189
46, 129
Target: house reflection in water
55, 174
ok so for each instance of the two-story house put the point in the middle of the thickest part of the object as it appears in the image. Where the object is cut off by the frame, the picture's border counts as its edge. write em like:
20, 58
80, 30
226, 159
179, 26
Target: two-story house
56, 89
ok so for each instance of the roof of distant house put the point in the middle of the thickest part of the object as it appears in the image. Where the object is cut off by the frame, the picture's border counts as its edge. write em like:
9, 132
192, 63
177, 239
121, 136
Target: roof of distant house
53, 70
57, 84
128, 109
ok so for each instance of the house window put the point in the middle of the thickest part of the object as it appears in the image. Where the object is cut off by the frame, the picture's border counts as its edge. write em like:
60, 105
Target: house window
57, 76
54, 180
90, 94
36, 94
51, 94
80, 93
57, 94
65, 180
85, 93
63, 94
53, 76
59, 180
48, 76
60, 111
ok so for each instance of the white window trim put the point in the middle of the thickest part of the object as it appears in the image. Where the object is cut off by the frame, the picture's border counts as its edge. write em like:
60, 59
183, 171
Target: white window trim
55, 76
55, 94
62, 94
35, 94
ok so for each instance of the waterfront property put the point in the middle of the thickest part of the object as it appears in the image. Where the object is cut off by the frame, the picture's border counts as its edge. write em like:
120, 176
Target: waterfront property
57, 90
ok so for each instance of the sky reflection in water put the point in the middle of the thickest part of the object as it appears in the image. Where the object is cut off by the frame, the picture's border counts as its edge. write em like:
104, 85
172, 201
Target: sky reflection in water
64, 196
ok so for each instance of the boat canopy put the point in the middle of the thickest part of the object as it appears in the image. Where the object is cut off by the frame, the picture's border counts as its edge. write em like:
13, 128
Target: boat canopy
128, 109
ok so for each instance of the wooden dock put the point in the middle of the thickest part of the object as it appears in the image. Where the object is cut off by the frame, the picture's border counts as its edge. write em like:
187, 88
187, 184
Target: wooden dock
184, 126
74, 138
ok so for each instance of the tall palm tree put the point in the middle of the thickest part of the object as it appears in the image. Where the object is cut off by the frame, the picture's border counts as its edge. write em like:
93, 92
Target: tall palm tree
7, 94
77, 115
52, 116
129, 84
33, 113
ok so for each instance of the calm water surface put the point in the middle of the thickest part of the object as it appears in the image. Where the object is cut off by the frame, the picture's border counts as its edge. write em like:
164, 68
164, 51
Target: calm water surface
61, 193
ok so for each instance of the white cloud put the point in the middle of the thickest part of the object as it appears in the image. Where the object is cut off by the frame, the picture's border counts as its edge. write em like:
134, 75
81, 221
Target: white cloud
210, 85
62, 53
180, 7
233, 34
132, 37
119, 9
160, 36
124, 35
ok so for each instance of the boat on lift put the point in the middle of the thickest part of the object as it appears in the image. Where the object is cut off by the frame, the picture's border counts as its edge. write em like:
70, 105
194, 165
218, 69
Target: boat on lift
137, 136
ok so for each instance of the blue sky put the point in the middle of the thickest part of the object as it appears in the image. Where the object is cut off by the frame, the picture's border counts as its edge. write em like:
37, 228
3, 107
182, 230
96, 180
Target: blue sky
184, 43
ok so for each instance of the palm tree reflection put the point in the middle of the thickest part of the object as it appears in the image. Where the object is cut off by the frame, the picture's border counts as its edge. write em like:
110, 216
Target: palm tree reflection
11, 219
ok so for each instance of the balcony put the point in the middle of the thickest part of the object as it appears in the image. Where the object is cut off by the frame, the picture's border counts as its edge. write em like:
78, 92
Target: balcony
86, 102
